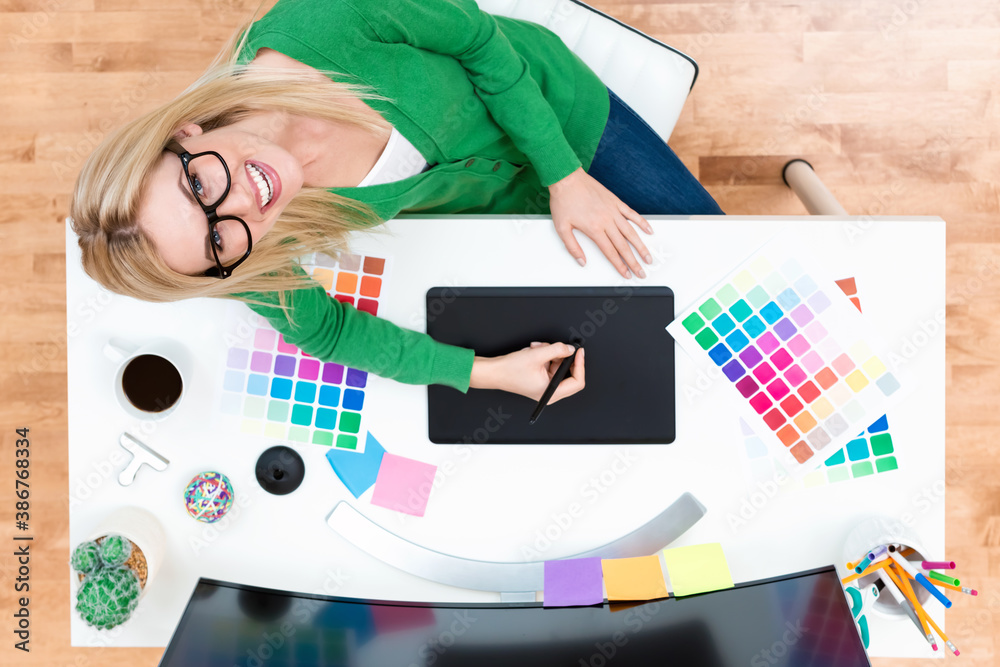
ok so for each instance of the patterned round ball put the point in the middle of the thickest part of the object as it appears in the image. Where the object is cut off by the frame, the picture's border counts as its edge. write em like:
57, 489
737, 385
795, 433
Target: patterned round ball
209, 496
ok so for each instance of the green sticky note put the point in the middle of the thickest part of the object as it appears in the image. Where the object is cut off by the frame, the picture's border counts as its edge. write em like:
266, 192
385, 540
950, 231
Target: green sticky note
697, 569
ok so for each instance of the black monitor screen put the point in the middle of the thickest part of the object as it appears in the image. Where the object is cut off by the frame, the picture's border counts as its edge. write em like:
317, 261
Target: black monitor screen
802, 620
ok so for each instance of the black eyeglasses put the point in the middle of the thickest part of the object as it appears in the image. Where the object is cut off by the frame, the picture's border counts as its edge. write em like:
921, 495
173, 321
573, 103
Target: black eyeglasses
208, 176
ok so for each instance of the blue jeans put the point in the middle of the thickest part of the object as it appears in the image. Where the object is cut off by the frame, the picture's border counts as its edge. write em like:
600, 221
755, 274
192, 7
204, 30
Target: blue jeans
635, 164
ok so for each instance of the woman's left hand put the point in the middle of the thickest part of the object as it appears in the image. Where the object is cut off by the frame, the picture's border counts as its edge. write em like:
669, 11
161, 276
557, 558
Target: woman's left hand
579, 201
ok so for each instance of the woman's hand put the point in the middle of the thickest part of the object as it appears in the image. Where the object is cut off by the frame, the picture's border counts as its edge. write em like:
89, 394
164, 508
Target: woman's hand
580, 202
527, 372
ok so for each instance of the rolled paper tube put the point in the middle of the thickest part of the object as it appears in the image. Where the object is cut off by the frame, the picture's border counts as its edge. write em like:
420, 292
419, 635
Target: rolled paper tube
938, 565
940, 577
908, 551
863, 565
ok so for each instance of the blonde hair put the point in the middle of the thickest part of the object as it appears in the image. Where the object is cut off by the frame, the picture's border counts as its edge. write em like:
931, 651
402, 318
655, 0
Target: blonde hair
107, 197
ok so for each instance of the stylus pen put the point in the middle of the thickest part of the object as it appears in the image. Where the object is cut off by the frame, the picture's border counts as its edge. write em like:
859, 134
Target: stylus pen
559, 376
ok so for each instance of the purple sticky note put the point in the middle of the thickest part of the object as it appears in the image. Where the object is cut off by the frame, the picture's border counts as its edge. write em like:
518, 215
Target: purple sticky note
572, 583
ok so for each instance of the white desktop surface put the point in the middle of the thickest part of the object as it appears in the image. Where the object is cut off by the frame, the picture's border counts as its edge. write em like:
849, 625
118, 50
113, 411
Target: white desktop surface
494, 502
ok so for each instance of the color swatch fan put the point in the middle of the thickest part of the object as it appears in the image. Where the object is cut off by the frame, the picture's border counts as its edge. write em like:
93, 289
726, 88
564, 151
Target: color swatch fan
795, 351
272, 388
870, 452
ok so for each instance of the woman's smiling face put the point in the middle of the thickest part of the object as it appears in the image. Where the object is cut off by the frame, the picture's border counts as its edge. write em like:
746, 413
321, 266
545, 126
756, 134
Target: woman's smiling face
264, 178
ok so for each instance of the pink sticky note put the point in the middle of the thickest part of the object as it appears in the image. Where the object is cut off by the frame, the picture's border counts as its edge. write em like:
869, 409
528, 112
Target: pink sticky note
403, 484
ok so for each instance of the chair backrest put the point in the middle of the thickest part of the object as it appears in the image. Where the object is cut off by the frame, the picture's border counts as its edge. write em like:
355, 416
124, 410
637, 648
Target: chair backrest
651, 77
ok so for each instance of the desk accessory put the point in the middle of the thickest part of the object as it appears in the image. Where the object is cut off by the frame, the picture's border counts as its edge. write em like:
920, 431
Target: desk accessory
280, 470
631, 579
403, 484
357, 470
208, 496
116, 565
273, 388
141, 455
629, 397
795, 352
573, 582
394, 550
698, 568
870, 452
898, 574
109, 588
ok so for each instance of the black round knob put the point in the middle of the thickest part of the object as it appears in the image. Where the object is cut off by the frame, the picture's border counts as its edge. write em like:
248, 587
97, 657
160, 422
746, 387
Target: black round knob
280, 470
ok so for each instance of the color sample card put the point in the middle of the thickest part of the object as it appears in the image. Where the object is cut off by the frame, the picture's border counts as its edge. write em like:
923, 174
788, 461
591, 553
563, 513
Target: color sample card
870, 452
277, 390
629, 579
403, 484
794, 351
697, 569
573, 583
357, 470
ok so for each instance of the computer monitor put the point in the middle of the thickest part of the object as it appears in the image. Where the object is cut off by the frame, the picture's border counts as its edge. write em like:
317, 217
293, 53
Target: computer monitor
800, 619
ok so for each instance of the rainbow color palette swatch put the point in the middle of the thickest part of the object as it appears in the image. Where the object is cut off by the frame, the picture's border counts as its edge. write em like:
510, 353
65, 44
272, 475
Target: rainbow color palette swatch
871, 452
795, 352
277, 390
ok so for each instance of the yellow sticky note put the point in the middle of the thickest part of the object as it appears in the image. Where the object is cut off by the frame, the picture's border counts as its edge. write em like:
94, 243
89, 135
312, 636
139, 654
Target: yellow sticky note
633, 578
697, 569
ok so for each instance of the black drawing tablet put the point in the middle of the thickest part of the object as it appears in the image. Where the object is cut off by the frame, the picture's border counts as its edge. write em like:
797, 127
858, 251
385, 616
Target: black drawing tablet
629, 397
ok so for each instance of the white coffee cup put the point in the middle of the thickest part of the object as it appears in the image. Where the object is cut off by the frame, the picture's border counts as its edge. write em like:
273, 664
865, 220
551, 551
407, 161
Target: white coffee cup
150, 380
876, 531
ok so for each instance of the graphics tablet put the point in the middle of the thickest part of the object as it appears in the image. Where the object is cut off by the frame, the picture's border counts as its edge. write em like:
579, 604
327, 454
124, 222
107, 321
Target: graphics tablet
629, 393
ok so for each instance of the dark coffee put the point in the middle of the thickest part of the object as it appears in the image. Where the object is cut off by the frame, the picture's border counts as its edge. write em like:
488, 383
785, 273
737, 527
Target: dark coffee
151, 383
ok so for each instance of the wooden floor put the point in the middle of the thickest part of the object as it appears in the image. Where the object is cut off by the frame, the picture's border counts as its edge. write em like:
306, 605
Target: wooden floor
895, 102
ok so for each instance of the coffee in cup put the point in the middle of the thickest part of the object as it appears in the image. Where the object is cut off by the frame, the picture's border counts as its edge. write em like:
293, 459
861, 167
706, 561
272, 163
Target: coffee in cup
149, 382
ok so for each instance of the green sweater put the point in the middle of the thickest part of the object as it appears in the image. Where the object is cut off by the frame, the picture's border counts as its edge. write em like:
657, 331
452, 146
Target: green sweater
500, 108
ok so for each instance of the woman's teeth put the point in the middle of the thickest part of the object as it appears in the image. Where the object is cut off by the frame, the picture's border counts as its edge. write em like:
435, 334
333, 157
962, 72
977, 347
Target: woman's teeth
263, 184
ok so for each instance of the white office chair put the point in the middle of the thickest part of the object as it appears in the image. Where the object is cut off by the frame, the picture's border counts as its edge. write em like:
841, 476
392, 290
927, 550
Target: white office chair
651, 77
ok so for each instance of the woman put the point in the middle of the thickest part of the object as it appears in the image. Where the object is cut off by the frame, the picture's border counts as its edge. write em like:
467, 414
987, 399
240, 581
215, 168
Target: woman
326, 117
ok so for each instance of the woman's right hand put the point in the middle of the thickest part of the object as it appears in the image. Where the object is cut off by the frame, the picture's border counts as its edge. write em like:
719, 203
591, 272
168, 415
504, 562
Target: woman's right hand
527, 371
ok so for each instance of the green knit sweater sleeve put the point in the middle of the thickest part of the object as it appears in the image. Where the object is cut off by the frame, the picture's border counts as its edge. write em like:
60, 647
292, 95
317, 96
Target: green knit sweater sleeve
332, 331
501, 77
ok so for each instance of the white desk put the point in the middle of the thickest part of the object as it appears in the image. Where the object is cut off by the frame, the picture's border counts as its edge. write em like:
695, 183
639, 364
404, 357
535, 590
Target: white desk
493, 502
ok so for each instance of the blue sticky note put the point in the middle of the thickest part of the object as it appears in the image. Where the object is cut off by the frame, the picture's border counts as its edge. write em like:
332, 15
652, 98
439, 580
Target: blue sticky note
357, 470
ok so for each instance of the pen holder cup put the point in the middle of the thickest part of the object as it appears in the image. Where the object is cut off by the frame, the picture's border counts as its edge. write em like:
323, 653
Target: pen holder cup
874, 532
